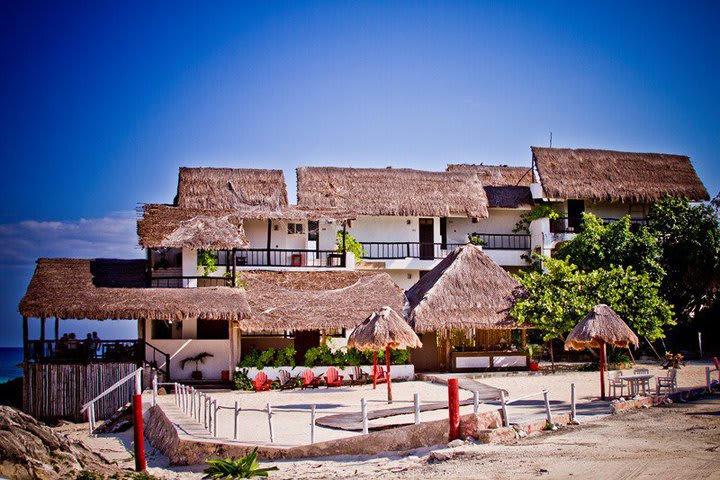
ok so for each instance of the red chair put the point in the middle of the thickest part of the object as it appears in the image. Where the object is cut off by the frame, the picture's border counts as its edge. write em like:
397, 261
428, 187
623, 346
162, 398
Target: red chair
379, 374
309, 380
261, 382
717, 364
332, 379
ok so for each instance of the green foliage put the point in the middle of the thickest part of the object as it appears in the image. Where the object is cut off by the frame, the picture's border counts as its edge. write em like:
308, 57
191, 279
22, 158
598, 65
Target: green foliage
351, 245
321, 356
561, 296
87, 475
207, 260
242, 381
534, 350
269, 358
689, 238
198, 359
238, 281
476, 239
537, 212
243, 467
602, 245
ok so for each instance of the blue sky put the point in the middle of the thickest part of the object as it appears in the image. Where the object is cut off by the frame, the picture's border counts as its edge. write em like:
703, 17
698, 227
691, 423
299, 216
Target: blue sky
101, 102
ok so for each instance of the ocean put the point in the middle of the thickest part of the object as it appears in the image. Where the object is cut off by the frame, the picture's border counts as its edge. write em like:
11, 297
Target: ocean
10, 358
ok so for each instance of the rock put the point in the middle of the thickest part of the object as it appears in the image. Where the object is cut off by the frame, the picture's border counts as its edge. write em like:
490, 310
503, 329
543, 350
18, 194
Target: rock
162, 391
521, 433
456, 443
469, 439
439, 456
30, 449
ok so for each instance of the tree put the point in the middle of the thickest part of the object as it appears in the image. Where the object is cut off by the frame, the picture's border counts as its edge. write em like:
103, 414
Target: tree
602, 245
689, 239
558, 298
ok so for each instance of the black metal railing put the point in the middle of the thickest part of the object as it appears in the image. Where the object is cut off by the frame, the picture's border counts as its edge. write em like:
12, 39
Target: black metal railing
262, 257
432, 251
504, 241
574, 224
190, 281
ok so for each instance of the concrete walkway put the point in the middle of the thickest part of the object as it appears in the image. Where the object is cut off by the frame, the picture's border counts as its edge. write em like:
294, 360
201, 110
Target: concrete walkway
486, 392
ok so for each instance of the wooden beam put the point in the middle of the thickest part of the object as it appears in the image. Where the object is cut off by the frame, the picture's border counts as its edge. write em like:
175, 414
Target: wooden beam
269, 240
42, 333
234, 265
25, 337
57, 329
344, 233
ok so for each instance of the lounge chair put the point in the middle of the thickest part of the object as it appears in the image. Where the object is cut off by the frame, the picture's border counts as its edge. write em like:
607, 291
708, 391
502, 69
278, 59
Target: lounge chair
615, 383
667, 383
287, 382
332, 379
358, 377
309, 380
261, 382
378, 374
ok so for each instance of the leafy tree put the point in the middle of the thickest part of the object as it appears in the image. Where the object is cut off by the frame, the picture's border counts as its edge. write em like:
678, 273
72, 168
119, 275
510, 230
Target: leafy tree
602, 245
689, 238
558, 298
351, 245
537, 212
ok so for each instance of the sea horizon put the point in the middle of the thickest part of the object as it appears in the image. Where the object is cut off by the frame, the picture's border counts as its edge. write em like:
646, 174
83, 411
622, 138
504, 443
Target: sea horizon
10, 358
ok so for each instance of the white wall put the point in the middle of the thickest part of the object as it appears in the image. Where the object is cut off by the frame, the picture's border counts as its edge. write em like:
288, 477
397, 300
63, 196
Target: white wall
389, 229
400, 277
180, 349
499, 220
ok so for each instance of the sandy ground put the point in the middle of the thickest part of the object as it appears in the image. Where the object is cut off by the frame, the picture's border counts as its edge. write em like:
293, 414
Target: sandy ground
677, 442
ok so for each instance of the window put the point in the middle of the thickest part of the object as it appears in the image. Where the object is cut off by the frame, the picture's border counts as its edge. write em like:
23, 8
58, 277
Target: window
313, 231
163, 258
161, 330
295, 229
212, 330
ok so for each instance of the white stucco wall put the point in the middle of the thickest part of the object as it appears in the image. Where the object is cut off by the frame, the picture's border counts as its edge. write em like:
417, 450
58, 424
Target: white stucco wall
390, 229
499, 220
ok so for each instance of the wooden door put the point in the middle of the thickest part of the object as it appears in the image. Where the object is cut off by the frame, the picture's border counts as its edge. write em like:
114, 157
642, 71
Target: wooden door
427, 239
575, 211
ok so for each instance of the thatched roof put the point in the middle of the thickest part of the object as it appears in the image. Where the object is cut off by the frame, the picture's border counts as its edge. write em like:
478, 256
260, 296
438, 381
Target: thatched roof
231, 188
285, 300
384, 328
104, 289
391, 191
173, 227
602, 325
467, 289
505, 187
605, 175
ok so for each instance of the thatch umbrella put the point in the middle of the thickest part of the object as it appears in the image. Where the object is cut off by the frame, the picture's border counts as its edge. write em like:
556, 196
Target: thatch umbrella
598, 328
384, 329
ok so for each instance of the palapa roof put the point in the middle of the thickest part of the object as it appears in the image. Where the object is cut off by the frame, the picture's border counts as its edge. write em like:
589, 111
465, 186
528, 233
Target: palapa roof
165, 226
606, 175
602, 325
384, 328
108, 289
467, 289
285, 300
505, 187
391, 191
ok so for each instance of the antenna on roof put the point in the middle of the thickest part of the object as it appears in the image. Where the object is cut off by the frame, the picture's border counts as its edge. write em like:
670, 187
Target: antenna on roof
551, 139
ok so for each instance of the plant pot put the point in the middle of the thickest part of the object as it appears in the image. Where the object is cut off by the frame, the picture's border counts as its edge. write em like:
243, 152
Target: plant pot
225, 375
196, 375
534, 365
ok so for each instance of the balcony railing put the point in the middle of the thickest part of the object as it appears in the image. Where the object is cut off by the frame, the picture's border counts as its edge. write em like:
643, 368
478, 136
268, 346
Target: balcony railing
262, 257
503, 241
432, 251
190, 282
574, 224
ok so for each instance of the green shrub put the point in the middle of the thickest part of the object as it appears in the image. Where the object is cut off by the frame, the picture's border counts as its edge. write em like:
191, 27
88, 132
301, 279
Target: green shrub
242, 381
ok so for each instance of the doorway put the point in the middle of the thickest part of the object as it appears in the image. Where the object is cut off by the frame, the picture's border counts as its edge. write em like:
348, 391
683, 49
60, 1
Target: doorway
427, 238
575, 211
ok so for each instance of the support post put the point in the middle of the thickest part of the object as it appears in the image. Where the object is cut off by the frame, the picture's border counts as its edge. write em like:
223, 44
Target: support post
707, 379
235, 420
374, 372
503, 407
389, 379
25, 338
215, 417
476, 401
57, 330
416, 405
42, 335
363, 411
270, 423
602, 372
453, 409
548, 413
344, 234
269, 240
175, 392
154, 389
138, 436
572, 402
312, 424
138, 383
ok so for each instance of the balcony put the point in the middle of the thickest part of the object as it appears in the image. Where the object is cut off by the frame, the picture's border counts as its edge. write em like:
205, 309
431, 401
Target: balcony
263, 257
574, 224
433, 251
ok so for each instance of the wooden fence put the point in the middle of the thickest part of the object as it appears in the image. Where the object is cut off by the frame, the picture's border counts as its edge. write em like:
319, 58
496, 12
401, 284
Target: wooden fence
57, 391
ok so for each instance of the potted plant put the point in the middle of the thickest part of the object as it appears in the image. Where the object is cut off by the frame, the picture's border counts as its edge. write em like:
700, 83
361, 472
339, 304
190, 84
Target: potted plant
198, 359
533, 351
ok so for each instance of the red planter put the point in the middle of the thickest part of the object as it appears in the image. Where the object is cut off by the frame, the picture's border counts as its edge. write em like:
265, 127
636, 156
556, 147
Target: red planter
534, 366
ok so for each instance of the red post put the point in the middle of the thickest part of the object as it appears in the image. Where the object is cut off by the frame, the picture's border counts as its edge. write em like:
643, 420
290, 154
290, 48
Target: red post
138, 435
602, 372
374, 371
387, 362
453, 409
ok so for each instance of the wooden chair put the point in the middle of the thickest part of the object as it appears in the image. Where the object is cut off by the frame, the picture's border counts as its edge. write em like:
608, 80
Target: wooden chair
332, 379
644, 384
616, 383
667, 383
287, 382
717, 364
261, 382
358, 377
378, 374
309, 380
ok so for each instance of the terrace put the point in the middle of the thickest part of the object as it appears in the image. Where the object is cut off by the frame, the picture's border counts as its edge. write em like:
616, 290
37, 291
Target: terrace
433, 251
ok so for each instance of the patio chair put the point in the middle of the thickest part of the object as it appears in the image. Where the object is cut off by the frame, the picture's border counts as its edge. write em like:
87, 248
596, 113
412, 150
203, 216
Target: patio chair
378, 374
261, 382
332, 379
358, 377
717, 364
667, 383
287, 382
616, 383
644, 384
309, 380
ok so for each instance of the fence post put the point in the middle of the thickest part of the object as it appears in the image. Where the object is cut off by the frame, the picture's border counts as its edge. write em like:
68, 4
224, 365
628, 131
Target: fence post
211, 420
206, 410
312, 424
192, 401
476, 401
175, 391
138, 382
154, 388
270, 423
138, 437
707, 379
453, 409
547, 407
235, 419
572, 402
503, 406
215, 414
363, 412
416, 405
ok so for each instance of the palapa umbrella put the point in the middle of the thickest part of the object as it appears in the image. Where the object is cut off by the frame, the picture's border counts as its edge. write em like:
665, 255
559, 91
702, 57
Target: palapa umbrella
598, 328
384, 329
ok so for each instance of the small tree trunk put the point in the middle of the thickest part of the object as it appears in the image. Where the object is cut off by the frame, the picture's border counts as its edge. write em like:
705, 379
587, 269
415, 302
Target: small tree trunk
552, 356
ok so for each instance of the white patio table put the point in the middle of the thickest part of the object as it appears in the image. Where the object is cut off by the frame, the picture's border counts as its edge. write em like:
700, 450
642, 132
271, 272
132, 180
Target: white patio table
636, 382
